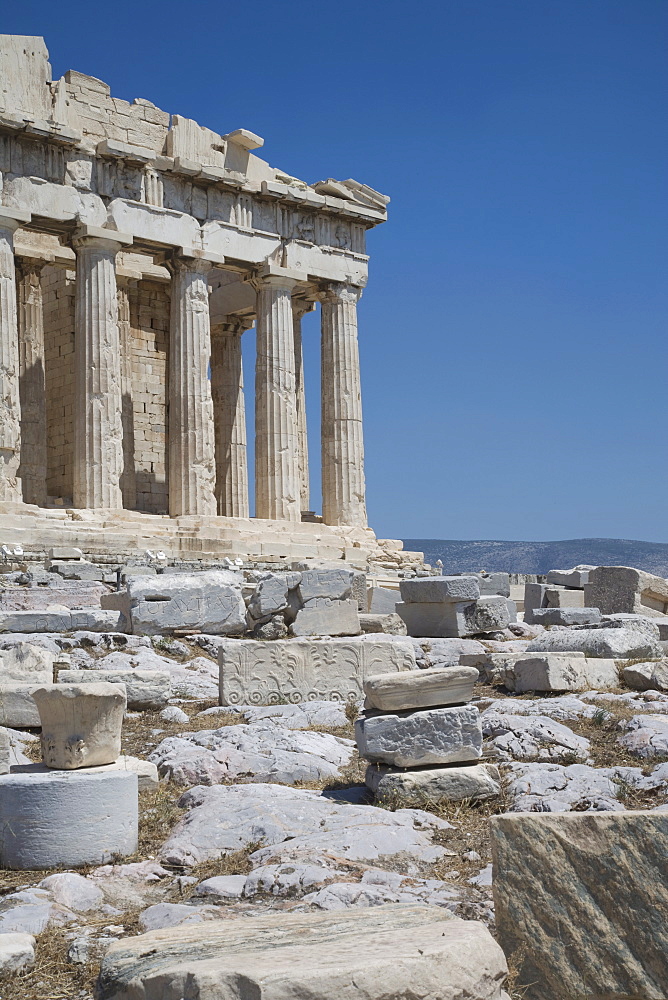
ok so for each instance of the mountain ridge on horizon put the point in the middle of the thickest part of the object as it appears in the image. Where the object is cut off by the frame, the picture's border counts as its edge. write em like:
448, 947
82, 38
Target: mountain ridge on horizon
494, 555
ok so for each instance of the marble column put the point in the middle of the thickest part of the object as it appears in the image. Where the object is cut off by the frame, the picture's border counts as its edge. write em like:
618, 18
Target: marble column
126, 288
227, 387
343, 488
192, 459
10, 402
98, 431
32, 381
277, 493
299, 308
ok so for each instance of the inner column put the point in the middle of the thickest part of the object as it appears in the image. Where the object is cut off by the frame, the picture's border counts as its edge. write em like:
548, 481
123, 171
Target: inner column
32, 381
227, 387
277, 489
10, 404
192, 460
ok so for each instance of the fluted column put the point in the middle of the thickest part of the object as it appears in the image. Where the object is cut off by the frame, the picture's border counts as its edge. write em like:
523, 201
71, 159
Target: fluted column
299, 308
126, 287
32, 383
98, 432
277, 493
10, 402
192, 460
343, 488
227, 387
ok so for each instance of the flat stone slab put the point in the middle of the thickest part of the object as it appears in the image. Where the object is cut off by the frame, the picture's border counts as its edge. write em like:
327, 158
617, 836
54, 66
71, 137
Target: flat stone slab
566, 616
578, 787
90, 619
414, 739
420, 688
637, 641
258, 752
561, 708
146, 689
440, 589
438, 652
323, 616
325, 714
418, 789
581, 902
300, 955
210, 602
296, 670
531, 737
563, 672
226, 818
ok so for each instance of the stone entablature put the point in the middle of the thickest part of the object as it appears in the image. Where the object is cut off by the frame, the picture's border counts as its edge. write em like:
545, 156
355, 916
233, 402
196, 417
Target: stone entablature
135, 249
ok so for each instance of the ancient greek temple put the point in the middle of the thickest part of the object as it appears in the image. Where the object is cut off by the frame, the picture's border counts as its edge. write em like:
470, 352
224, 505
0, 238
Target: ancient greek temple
136, 248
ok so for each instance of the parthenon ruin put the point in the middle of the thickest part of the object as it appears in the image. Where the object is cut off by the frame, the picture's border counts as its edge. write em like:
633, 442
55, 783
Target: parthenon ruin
136, 247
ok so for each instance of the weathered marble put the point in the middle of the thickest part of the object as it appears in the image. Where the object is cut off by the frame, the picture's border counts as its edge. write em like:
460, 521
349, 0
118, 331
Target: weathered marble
81, 723
10, 401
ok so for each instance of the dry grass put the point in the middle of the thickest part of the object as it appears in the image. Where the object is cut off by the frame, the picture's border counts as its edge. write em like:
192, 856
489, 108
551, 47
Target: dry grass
51, 977
143, 732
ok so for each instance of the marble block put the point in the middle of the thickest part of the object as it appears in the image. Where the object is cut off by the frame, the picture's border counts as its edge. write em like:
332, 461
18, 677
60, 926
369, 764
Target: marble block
210, 602
420, 688
417, 789
145, 689
323, 616
440, 589
81, 724
296, 670
415, 739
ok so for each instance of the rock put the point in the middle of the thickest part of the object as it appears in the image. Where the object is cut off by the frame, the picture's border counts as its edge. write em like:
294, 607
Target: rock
566, 616
577, 787
71, 818
322, 616
652, 674
306, 715
147, 690
494, 583
564, 672
271, 594
81, 724
275, 628
440, 590
260, 752
17, 951
434, 652
576, 577
226, 818
73, 891
646, 735
174, 714
420, 688
300, 954
292, 879
529, 737
631, 642
198, 678
563, 707
428, 736
494, 668
64, 620
616, 589
555, 875
296, 670
429, 786
222, 887
487, 614
26, 663
162, 915
17, 706
210, 602
391, 624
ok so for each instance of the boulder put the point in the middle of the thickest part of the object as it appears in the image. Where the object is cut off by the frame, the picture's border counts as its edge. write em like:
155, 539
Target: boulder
438, 652
146, 689
17, 951
414, 739
604, 873
415, 947
651, 675
646, 736
538, 787
295, 670
563, 672
62, 620
429, 786
420, 688
17, 706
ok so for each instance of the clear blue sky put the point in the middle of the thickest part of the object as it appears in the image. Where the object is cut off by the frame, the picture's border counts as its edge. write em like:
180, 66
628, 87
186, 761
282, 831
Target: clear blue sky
513, 333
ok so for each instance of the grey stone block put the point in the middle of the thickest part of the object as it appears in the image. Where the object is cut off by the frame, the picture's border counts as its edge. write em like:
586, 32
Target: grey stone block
440, 589
420, 688
561, 597
4, 751
616, 589
632, 642
335, 584
146, 689
564, 672
566, 616
391, 624
210, 602
452, 620
414, 739
382, 600
417, 789
577, 577
322, 616
494, 584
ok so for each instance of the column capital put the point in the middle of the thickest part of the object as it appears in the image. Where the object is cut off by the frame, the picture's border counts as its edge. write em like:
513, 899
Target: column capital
301, 306
340, 291
12, 219
233, 326
27, 264
189, 259
100, 238
274, 276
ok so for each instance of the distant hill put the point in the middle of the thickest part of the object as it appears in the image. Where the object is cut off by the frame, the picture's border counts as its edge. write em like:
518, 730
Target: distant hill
540, 557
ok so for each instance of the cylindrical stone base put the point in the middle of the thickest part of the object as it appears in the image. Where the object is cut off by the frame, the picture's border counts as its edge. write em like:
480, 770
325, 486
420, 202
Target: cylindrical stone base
67, 818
